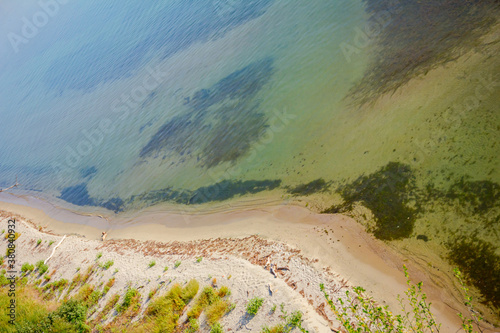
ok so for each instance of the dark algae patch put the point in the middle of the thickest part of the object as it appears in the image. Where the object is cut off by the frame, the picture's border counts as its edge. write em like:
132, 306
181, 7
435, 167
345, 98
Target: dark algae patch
480, 263
315, 186
228, 189
387, 193
79, 195
220, 123
414, 36
480, 196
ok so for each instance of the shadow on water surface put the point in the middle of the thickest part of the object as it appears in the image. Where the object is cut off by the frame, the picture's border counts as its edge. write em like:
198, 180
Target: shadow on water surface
221, 122
417, 36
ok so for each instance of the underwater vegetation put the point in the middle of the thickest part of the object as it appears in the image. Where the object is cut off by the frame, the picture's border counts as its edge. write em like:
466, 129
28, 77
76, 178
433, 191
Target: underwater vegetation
387, 193
479, 262
79, 195
480, 196
220, 191
315, 186
223, 190
411, 37
88, 172
227, 189
221, 122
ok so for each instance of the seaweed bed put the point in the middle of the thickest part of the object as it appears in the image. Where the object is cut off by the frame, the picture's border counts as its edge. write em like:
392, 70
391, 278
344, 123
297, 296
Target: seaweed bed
315, 186
480, 264
387, 193
220, 191
412, 37
481, 196
79, 195
226, 189
221, 122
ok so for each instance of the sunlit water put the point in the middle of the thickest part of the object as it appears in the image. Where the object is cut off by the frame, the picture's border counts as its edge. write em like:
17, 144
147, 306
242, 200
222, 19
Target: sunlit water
124, 105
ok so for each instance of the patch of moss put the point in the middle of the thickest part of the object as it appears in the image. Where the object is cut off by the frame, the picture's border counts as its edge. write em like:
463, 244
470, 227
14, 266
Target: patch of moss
315, 186
479, 262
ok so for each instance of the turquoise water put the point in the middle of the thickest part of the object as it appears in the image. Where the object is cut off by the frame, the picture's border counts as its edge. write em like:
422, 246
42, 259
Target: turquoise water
126, 98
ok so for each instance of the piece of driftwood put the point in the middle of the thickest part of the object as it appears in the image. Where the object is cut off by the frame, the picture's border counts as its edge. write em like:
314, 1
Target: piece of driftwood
10, 187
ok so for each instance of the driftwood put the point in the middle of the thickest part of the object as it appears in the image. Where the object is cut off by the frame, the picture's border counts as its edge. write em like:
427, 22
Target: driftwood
8, 188
271, 290
272, 271
54, 249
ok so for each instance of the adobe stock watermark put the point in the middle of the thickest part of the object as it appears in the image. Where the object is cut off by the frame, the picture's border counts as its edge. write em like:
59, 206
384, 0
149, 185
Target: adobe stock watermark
11, 265
31, 26
365, 36
121, 108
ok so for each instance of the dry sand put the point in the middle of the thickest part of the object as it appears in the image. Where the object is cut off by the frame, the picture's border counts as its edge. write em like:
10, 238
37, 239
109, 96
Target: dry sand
313, 249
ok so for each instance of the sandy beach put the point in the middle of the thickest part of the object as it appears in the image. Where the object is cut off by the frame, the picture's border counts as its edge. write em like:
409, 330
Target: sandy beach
314, 248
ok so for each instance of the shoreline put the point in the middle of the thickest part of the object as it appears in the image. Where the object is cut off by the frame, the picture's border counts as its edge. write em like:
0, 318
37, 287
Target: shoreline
333, 241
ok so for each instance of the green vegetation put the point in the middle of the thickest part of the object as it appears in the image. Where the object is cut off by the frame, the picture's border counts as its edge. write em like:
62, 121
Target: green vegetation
131, 297
216, 328
110, 304
360, 313
108, 264
42, 268
224, 291
254, 305
480, 263
27, 267
177, 263
163, 312
217, 310
98, 256
153, 292
37, 313
38, 242
214, 304
88, 295
165, 269
108, 286
52, 288
193, 326
199, 259
51, 242
33, 314
291, 321
152, 263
